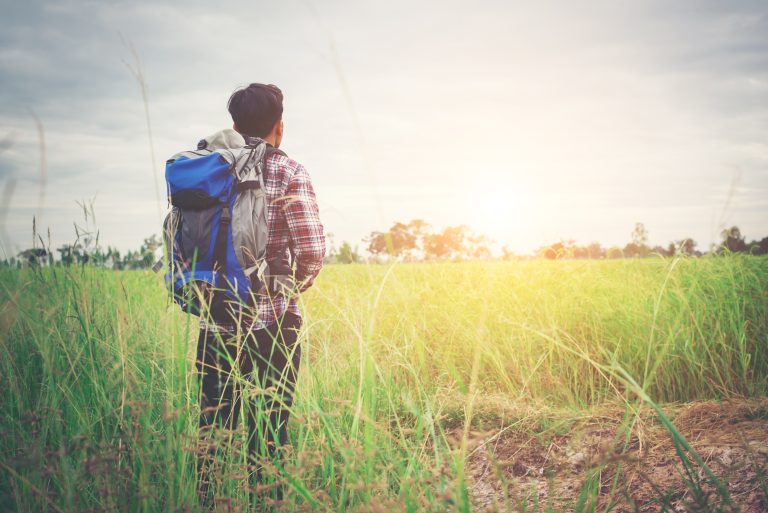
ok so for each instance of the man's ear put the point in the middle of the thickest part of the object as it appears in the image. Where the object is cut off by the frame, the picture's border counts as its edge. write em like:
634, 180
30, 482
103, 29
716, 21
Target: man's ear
279, 129
234, 127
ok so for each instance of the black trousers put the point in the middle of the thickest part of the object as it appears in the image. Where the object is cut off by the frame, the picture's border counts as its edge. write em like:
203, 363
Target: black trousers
257, 369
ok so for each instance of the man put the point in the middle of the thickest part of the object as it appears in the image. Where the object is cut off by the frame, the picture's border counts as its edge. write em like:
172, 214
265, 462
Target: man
263, 347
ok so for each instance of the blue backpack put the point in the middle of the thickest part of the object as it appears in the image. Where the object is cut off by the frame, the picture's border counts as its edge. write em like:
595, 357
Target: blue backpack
216, 232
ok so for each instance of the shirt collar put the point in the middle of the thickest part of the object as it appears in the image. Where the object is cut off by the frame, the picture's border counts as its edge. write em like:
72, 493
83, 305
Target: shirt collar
254, 141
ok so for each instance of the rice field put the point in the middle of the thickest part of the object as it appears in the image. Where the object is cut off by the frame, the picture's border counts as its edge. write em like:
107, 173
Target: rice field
410, 373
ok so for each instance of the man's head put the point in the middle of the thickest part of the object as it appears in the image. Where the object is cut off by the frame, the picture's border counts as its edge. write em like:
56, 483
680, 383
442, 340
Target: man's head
257, 110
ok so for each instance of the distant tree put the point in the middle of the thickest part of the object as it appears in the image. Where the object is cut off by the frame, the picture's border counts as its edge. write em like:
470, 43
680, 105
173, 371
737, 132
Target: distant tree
567, 248
112, 258
448, 244
144, 257
34, 257
437, 246
507, 254
476, 247
131, 260
595, 250
640, 235
638, 247
70, 254
685, 247
65, 254
631, 250
558, 250
401, 240
347, 254
759, 247
9, 263
109, 258
419, 229
377, 243
579, 252
550, 252
733, 241
149, 250
398, 240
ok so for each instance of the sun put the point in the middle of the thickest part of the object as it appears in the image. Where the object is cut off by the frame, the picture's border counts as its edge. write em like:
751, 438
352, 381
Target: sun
493, 212
497, 204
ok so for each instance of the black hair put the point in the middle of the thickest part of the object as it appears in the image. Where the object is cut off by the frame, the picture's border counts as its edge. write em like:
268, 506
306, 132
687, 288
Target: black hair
255, 109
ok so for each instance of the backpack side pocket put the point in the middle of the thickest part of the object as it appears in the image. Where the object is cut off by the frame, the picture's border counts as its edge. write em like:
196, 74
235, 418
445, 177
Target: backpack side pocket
250, 230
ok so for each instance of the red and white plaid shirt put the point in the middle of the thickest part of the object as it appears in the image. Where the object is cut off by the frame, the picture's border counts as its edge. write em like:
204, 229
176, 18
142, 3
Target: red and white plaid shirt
293, 219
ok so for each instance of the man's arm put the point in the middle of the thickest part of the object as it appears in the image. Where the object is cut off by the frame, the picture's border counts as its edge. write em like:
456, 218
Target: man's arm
307, 238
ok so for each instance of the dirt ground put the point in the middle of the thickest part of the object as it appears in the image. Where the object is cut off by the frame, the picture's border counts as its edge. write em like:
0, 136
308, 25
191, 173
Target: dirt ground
638, 471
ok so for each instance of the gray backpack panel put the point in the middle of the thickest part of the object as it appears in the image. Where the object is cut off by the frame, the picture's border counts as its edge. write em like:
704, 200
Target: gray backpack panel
249, 212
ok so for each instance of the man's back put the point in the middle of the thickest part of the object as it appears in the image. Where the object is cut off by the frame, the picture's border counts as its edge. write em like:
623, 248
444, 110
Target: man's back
295, 234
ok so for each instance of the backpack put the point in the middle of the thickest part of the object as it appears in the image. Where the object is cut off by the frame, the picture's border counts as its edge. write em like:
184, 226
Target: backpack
216, 232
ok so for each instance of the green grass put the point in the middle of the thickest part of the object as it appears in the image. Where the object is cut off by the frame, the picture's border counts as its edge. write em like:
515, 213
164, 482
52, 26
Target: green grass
98, 407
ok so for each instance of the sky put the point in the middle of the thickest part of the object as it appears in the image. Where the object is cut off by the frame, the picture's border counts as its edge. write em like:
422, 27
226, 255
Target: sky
529, 122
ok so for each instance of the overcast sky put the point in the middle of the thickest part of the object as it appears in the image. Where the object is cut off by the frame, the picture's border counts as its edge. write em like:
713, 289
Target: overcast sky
527, 121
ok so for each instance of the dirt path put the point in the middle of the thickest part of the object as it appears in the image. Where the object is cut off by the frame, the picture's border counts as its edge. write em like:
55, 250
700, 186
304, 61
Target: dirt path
551, 468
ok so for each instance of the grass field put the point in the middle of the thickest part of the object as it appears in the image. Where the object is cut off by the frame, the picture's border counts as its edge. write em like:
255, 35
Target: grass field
408, 372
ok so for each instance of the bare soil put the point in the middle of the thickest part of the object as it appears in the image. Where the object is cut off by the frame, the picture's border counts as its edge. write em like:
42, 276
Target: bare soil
634, 461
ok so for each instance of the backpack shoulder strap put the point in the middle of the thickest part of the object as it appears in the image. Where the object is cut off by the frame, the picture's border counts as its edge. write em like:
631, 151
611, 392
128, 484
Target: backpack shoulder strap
270, 150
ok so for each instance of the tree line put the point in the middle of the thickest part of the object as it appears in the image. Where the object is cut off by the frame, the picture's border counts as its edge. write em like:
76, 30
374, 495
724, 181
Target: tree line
87, 251
414, 241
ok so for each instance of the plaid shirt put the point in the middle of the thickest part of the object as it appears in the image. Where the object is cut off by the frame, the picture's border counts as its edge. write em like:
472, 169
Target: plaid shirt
293, 219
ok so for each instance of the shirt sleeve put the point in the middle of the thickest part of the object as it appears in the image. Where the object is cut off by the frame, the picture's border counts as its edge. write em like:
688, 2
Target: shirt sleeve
307, 237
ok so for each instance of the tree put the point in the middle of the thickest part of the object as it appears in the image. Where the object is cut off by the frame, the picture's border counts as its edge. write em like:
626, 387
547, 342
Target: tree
554, 251
759, 247
347, 254
149, 250
560, 250
415, 241
73, 254
551, 252
35, 257
733, 241
447, 244
419, 229
377, 243
639, 245
640, 235
399, 240
112, 258
507, 254
685, 247
595, 250
477, 247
